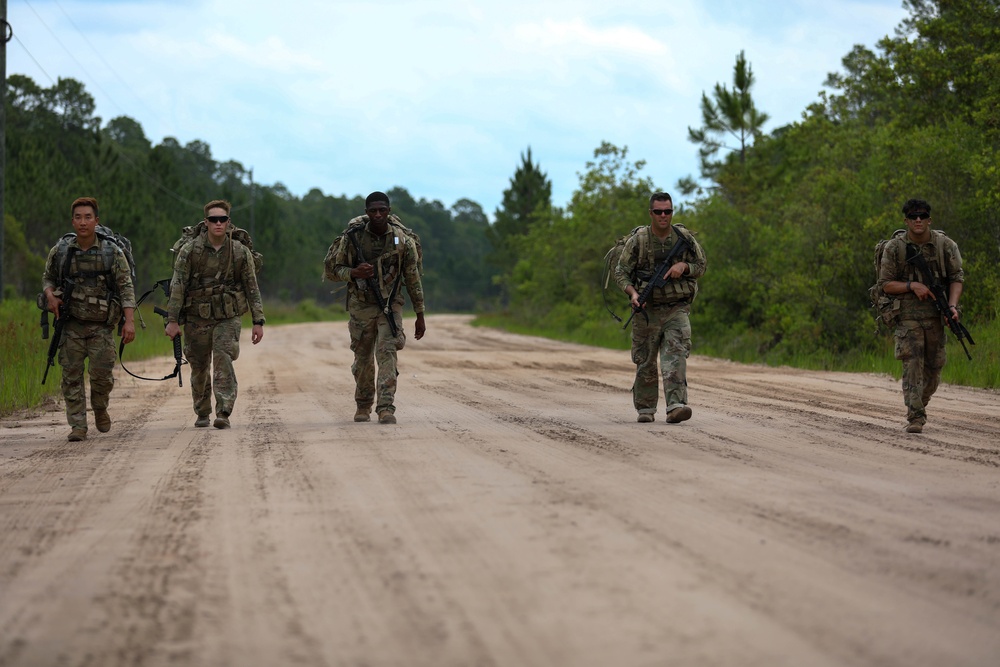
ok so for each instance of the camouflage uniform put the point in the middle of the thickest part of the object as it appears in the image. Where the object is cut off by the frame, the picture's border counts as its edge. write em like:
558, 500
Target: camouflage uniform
920, 334
209, 291
667, 335
371, 338
103, 287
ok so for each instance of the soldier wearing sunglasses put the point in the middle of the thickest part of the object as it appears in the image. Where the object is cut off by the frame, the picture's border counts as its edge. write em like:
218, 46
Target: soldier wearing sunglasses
663, 331
920, 334
213, 285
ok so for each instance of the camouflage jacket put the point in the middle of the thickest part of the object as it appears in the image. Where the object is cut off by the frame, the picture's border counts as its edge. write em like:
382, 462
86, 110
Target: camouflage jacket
940, 249
643, 251
391, 254
101, 276
210, 284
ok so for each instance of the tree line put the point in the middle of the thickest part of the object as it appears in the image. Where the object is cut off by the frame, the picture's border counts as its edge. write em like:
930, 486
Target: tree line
57, 150
789, 218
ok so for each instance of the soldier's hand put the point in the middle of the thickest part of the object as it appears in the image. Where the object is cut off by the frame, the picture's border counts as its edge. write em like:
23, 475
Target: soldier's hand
421, 328
128, 332
257, 334
677, 270
922, 291
172, 330
363, 271
54, 302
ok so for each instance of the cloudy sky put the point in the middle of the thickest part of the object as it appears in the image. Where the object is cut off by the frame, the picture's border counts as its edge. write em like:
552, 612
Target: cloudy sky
438, 96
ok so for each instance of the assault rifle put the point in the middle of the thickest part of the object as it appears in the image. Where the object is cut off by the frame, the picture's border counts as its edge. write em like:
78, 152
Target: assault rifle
916, 258
659, 277
57, 326
371, 284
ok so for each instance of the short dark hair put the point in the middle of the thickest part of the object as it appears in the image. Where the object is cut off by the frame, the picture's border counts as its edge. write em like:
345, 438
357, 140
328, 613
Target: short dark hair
912, 205
660, 196
376, 197
218, 203
84, 201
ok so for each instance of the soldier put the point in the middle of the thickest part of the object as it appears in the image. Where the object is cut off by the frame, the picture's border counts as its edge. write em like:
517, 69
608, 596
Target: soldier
390, 256
96, 271
920, 335
214, 283
663, 330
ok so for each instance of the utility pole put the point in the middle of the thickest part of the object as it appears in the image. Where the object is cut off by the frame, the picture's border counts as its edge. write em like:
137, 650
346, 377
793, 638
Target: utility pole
251, 197
6, 32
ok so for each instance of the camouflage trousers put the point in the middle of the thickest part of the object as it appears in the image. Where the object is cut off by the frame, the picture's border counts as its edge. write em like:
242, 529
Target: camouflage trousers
211, 347
80, 341
373, 343
920, 346
665, 338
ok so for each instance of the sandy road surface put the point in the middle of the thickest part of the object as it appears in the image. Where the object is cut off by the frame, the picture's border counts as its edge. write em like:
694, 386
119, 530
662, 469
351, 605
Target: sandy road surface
516, 515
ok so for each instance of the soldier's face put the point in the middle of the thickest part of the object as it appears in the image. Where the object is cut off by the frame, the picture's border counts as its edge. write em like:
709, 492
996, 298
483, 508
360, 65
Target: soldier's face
85, 221
218, 222
918, 222
661, 214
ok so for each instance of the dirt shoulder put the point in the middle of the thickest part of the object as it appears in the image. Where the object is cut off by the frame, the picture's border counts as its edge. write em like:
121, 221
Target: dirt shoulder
516, 515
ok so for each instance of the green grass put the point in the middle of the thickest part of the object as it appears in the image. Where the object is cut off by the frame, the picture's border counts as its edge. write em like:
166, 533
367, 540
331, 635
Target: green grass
983, 371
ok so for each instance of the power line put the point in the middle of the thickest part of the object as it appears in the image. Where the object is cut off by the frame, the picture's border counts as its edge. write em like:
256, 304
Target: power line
106, 63
37, 64
90, 76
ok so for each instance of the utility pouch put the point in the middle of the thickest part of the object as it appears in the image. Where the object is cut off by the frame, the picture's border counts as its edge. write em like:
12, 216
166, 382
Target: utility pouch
218, 309
205, 310
242, 306
228, 305
114, 310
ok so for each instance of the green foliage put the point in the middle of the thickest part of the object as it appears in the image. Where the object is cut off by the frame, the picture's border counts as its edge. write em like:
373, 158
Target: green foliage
57, 150
790, 229
527, 201
729, 115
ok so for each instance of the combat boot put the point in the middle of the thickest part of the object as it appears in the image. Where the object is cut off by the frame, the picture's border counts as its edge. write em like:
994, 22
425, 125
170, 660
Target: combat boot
914, 427
363, 415
103, 420
386, 417
645, 418
221, 421
203, 421
683, 413
77, 434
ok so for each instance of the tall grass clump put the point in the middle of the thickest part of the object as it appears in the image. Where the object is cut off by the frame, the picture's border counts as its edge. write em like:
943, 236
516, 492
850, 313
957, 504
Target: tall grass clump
22, 357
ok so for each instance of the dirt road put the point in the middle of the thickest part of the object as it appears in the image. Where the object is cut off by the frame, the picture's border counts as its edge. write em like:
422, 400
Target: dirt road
516, 515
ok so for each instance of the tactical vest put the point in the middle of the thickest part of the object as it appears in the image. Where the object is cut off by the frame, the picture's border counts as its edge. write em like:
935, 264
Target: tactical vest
214, 290
387, 260
95, 295
648, 255
911, 307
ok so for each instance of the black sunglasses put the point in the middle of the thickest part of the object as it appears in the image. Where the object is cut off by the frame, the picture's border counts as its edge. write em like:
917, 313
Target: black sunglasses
918, 216
218, 218
661, 211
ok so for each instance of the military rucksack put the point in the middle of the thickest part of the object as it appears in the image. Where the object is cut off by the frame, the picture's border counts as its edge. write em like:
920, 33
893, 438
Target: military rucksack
611, 261
189, 234
885, 308
357, 223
